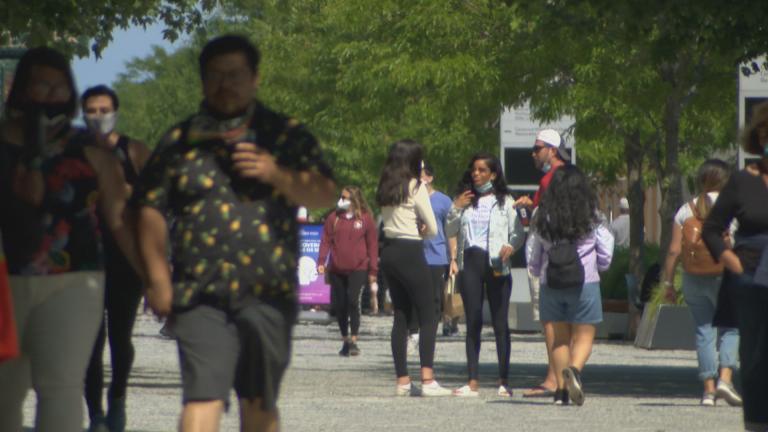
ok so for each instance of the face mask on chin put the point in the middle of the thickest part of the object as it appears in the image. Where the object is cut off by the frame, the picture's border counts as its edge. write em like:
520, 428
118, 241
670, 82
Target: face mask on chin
103, 124
484, 188
546, 167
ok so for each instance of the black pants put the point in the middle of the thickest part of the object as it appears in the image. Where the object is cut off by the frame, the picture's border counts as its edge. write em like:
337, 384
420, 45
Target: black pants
347, 289
411, 290
750, 303
121, 301
438, 274
477, 279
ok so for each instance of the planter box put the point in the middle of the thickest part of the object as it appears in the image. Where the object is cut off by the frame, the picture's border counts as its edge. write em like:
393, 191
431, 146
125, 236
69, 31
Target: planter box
521, 318
668, 327
614, 326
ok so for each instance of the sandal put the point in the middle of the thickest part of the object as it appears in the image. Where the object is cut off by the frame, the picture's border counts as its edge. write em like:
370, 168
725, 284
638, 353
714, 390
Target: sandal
466, 391
504, 391
538, 391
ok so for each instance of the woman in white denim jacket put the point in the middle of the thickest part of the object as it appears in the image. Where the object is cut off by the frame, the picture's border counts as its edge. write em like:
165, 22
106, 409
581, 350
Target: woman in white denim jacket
484, 232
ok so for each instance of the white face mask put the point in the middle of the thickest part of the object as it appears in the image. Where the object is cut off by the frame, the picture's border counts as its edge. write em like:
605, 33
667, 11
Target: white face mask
103, 124
343, 204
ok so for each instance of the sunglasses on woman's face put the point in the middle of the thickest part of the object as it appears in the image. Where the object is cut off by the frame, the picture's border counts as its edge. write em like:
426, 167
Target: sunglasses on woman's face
536, 149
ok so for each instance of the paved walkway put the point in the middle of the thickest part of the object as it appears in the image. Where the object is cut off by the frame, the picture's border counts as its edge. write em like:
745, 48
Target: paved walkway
627, 389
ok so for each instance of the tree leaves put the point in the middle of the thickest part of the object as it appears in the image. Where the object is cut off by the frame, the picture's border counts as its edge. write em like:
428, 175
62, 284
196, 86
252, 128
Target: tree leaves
76, 27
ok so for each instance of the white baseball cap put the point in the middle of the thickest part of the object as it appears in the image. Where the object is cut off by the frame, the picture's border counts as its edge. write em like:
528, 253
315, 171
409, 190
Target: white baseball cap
552, 138
624, 204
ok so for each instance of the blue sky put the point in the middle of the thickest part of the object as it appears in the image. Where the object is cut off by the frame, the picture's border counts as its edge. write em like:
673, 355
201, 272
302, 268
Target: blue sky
126, 44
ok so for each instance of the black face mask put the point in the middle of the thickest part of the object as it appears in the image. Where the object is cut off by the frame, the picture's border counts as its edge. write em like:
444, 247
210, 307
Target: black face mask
39, 118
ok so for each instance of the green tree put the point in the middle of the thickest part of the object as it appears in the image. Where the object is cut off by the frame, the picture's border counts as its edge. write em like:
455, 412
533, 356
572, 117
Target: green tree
656, 78
157, 92
361, 75
80, 26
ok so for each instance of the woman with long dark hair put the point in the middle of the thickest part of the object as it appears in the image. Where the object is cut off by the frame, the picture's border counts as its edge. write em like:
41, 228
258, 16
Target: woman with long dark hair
701, 283
744, 294
570, 246
51, 184
408, 218
350, 236
488, 231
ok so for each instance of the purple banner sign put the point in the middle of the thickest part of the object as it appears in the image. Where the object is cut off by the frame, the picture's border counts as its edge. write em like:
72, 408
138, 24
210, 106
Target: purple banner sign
312, 287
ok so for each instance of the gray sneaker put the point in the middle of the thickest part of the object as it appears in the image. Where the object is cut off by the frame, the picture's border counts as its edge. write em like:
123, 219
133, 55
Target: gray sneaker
708, 399
726, 391
572, 378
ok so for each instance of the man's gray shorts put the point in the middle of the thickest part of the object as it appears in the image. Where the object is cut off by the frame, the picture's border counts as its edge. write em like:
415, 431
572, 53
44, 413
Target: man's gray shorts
248, 349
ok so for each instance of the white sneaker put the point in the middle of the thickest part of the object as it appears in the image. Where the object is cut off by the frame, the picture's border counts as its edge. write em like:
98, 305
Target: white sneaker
504, 391
708, 399
434, 389
466, 391
404, 390
726, 391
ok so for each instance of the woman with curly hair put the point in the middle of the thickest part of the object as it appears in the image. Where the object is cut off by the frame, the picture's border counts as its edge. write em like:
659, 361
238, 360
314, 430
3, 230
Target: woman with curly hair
350, 236
744, 294
408, 218
488, 232
571, 245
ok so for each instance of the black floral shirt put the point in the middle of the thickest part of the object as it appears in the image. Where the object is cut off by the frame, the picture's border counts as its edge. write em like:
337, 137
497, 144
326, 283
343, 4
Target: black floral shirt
63, 233
231, 238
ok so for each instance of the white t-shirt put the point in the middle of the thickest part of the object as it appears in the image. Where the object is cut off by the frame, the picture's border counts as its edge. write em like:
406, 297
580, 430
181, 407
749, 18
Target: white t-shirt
480, 221
685, 212
620, 230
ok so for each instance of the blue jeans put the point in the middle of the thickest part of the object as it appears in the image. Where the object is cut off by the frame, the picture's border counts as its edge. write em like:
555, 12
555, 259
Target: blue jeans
701, 297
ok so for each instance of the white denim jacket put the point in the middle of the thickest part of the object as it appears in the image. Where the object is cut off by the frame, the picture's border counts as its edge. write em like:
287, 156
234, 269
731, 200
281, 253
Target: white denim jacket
505, 229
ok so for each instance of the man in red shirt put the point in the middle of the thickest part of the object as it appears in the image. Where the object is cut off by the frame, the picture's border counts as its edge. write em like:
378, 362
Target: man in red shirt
549, 154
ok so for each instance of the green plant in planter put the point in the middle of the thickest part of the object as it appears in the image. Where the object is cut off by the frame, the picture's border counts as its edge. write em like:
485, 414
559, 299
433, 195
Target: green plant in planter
659, 294
613, 282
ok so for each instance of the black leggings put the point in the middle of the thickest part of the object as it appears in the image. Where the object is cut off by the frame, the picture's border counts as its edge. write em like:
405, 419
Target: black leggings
347, 289
477, 278
411, 290
121, 301
438, 274
750, 303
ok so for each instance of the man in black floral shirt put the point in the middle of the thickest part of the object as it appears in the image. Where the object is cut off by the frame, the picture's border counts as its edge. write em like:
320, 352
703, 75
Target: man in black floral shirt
230, 178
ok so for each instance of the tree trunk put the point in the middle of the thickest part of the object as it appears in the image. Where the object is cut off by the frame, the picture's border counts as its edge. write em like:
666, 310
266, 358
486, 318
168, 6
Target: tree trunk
633, 152
671, 179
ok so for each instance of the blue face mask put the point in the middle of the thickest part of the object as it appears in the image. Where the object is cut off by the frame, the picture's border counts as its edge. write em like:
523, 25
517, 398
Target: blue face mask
484, 188
546, 167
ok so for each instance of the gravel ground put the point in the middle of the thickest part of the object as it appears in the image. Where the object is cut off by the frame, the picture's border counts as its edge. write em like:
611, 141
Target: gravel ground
628, 389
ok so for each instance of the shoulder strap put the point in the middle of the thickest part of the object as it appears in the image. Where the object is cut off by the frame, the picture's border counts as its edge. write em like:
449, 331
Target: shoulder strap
694, 210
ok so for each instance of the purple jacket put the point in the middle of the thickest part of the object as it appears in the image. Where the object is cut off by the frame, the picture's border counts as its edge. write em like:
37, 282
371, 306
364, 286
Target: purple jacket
595, 251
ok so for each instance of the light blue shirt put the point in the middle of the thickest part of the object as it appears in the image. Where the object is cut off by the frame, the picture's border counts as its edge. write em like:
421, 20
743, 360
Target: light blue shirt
436, 248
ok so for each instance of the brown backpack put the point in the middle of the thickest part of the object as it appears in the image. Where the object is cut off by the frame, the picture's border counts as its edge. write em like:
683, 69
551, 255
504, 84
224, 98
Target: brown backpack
696, 257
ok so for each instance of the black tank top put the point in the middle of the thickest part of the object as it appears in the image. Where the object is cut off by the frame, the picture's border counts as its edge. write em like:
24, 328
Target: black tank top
122, 153
117, 266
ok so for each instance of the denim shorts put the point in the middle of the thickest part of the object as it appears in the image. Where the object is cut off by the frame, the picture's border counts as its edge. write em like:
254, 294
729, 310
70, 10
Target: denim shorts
581, 305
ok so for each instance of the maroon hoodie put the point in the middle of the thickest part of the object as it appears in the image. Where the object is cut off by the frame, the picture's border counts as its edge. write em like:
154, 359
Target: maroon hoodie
352, 242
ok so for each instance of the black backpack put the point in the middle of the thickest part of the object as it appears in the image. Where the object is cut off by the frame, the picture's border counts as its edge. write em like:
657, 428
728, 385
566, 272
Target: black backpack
564, 269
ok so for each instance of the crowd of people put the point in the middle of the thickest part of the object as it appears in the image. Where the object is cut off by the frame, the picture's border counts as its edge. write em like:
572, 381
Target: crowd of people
205, 227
